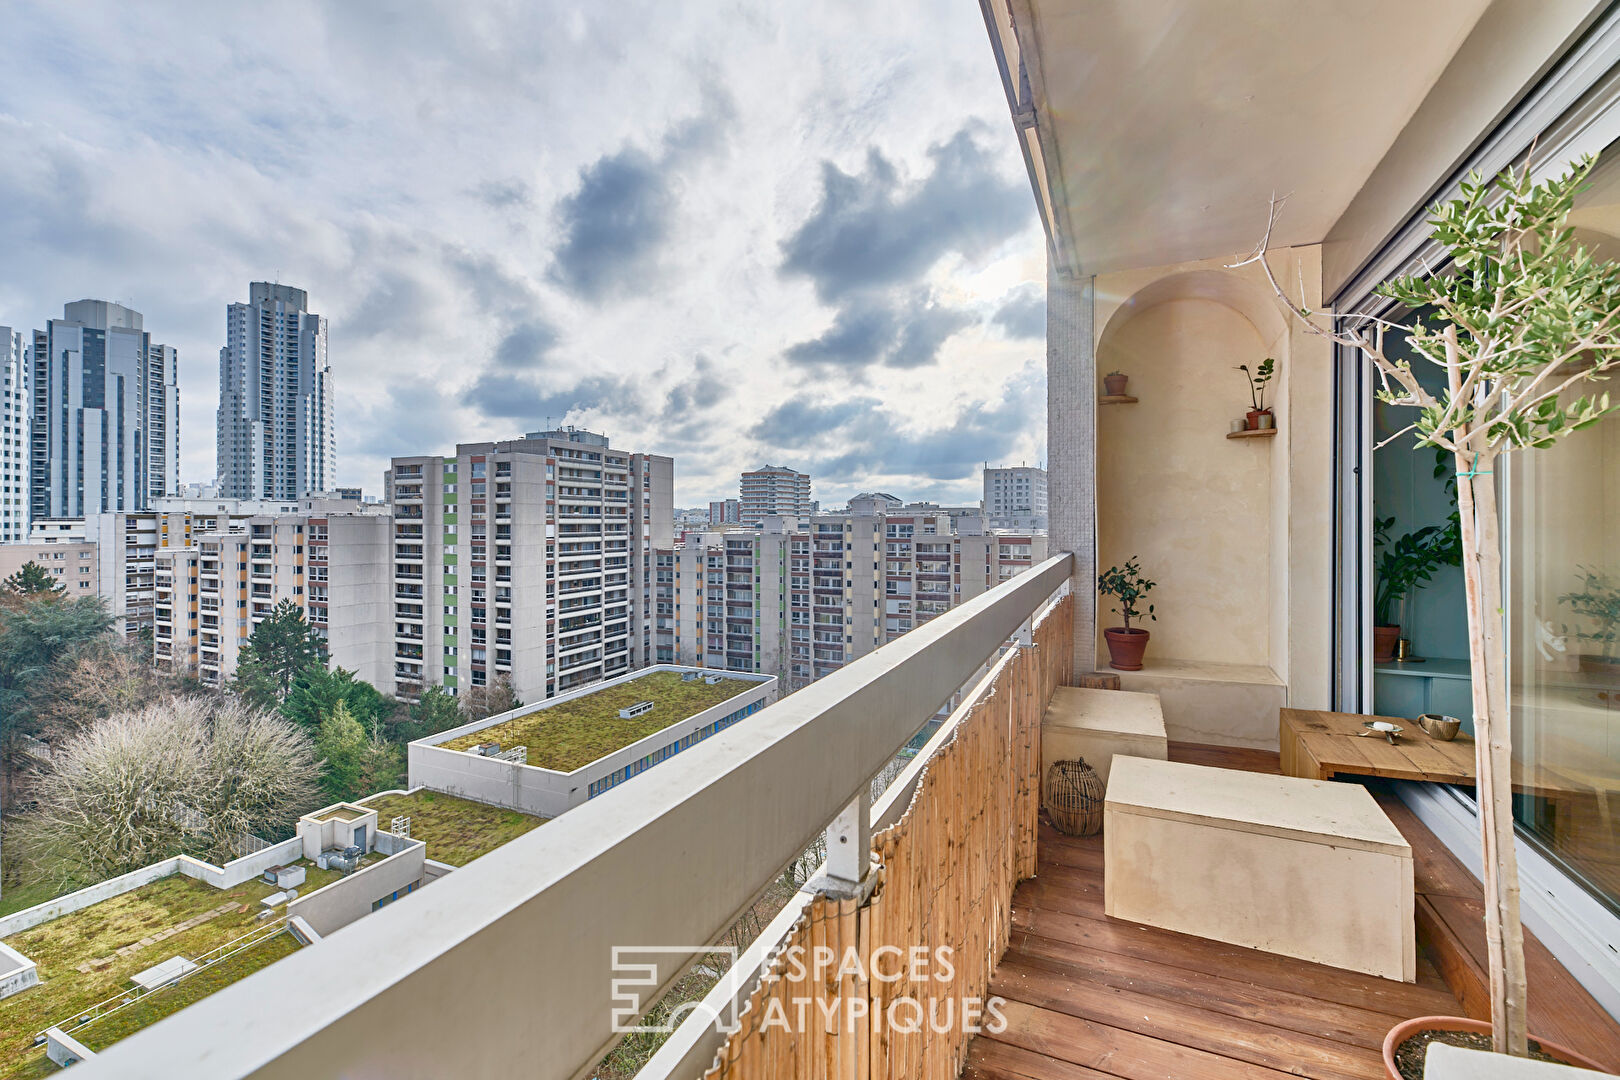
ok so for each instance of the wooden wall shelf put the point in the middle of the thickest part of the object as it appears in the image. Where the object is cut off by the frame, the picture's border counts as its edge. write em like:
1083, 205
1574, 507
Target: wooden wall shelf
1262, 433
1116, 399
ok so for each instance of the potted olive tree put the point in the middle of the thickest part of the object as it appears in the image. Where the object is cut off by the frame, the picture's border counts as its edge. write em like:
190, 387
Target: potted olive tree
1127, 586
1520, 322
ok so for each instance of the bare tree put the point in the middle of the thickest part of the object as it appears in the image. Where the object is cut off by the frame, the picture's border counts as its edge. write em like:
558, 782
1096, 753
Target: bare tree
1520, 321
482, 702
190, 774
260, 773
101, 677
106, 803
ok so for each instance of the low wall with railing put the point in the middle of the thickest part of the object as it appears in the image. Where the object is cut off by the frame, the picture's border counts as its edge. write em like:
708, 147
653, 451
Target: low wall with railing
898, 984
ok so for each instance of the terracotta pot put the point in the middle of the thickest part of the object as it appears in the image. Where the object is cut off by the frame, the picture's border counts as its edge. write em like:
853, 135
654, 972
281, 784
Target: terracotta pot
1114, 385
1125, 647
1252, 418
1407, 1028
1385, 638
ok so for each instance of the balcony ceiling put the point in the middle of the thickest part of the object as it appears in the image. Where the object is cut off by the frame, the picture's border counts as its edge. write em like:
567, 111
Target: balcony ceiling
1168, 124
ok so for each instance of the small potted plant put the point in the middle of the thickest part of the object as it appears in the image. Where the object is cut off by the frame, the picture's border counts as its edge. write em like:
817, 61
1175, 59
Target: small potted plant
1114, 383
1599, 602
1127, 586
1258, 378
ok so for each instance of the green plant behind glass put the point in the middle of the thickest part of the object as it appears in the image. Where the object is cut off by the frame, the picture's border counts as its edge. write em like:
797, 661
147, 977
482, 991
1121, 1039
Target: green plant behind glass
1408, 563
1598, 601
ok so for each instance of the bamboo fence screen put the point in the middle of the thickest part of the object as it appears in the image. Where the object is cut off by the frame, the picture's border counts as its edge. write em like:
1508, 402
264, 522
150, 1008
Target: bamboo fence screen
859, 990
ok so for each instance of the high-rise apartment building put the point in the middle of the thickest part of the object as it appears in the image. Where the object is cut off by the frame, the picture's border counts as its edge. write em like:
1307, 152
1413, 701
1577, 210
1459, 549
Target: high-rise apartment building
801, 599
222, 582
274, 428
530, 559
725, 512
128, 542
15, 406
105, 414
1015, 497
773, 491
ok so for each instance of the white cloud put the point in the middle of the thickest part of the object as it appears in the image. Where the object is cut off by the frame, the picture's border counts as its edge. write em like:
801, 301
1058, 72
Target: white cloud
419, 171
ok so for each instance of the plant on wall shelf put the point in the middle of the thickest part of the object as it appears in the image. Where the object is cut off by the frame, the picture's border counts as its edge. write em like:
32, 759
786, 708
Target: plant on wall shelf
1127, 586
1520, 322
1599, 602
1258, 378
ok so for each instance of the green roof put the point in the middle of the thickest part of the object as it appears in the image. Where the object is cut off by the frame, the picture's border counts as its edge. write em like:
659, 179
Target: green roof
173, 916
456, 830
573, 733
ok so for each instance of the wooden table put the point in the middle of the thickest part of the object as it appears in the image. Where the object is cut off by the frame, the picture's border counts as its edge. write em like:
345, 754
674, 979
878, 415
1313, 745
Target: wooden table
1322, 745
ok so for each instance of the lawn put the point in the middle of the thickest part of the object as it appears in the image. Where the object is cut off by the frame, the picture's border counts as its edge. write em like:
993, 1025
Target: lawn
455, 830
574, 733
97, 932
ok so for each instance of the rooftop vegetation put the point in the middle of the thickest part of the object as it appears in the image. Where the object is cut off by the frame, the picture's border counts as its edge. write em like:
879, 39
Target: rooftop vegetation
573, 733
97, 932
456, 830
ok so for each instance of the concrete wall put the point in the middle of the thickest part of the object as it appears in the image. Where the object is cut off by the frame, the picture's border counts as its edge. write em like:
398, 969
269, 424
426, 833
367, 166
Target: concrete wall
547, 792
220, 877
17, 972
64, 1049
349, 898
1236, 533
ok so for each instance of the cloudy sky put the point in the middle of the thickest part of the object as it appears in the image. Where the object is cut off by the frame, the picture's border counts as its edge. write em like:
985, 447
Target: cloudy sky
731, 233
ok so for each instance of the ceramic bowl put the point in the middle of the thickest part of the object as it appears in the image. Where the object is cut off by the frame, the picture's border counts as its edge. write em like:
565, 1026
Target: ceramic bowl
1440, 726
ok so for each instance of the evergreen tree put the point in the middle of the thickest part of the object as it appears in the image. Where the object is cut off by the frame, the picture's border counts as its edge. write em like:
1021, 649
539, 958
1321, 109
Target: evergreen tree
382, 768
282, 646
434, 712
31, 581
33, 637
341, 746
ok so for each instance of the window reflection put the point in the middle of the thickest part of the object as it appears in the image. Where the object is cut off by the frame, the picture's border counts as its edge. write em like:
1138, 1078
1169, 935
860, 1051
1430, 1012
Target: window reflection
1563, 594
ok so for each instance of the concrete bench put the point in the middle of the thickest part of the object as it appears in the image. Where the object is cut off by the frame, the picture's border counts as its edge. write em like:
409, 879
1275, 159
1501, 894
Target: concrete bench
1305, 868
1098, 724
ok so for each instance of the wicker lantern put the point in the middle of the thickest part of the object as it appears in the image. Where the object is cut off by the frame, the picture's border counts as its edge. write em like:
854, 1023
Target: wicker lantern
1074, 797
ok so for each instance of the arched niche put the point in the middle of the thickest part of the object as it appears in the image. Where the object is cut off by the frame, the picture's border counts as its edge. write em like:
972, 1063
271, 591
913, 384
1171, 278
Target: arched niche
1206, 516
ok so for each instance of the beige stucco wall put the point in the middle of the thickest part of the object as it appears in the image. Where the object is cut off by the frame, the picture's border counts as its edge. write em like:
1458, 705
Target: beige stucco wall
1237, 533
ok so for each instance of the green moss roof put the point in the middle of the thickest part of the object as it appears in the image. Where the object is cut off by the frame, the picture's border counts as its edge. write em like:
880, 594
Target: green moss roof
575, 733
456, 830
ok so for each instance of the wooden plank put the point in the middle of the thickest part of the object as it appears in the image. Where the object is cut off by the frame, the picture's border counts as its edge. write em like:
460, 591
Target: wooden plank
1236, 962
1435, 869
1241, 758
1032, 982
1364, 1028
1560, 1008
1461, 972
991, 1060
1121, 1053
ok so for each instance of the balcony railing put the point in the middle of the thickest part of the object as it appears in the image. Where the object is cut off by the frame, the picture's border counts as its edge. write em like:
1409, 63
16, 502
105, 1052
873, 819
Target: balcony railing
522, 942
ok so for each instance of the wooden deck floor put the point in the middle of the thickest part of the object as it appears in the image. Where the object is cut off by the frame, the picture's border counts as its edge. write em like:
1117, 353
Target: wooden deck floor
1093, 997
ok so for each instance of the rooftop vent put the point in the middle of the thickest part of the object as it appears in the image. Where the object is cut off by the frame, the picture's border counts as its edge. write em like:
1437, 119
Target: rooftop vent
630, 712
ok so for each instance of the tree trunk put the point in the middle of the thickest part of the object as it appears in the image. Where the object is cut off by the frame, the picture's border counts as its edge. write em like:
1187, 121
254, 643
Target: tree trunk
1493, 734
